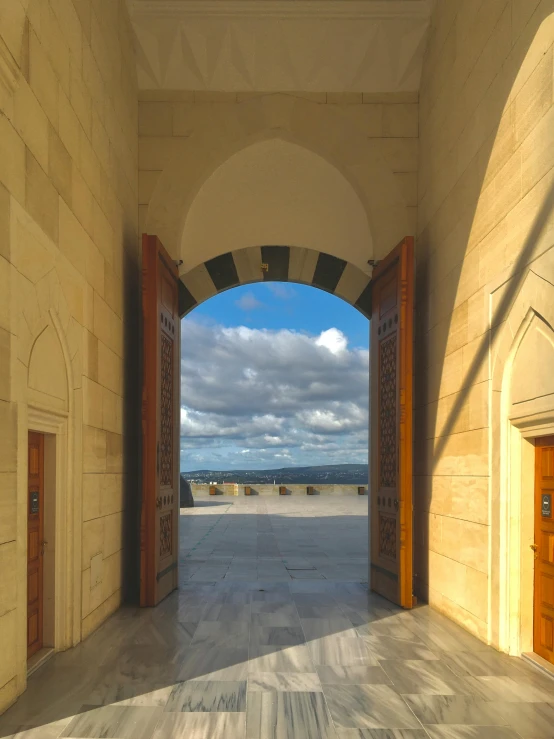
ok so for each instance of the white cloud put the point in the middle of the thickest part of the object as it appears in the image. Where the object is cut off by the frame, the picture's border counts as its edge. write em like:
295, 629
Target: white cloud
333, 340
249, 302
263, 398
281, 290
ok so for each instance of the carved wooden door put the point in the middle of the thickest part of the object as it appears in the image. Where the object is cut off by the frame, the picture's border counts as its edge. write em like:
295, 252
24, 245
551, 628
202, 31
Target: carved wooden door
391, 352
35, 542
543, 620
159, 534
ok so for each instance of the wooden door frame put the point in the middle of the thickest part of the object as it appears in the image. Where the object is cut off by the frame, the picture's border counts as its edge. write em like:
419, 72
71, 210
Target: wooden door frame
66, 575
64, 430
517, 529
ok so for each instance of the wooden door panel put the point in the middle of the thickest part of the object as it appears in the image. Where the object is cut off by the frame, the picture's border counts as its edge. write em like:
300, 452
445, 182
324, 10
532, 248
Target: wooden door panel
543, 629
160, 424
391, 352
35, 537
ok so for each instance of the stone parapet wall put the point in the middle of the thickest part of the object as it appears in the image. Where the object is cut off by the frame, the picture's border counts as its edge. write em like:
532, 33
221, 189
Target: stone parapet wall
234, 489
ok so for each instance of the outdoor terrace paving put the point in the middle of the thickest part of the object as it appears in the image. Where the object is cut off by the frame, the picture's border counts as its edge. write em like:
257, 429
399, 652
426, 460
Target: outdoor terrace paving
274, 635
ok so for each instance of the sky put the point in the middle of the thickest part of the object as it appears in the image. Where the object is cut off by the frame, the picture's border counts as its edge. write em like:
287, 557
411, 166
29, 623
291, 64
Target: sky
274, 375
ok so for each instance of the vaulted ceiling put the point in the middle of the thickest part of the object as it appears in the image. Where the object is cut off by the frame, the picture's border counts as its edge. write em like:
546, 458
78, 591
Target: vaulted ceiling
340, 46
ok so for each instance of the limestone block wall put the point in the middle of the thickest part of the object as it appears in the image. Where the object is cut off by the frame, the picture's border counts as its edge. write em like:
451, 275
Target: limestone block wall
484, 223
187, 137
68, 302
232, 489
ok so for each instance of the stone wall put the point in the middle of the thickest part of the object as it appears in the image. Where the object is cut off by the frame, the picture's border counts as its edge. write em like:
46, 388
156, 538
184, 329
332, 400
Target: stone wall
68, 302
234, 489
485, 224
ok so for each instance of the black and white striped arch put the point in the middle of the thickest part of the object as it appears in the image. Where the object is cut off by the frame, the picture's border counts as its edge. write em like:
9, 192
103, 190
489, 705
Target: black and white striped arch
283, 264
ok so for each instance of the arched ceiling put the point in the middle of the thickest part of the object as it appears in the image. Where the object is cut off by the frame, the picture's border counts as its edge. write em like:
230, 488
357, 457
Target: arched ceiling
370, 46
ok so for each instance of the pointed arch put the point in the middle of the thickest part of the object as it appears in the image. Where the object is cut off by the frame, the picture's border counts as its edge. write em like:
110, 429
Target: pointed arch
323, 130
531, 318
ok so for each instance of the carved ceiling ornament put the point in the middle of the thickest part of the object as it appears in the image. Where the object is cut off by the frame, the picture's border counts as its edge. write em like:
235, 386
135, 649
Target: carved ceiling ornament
367, 46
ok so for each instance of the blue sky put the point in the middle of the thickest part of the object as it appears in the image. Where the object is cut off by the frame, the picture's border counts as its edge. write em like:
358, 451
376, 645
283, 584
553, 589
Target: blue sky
274, 375
285, 305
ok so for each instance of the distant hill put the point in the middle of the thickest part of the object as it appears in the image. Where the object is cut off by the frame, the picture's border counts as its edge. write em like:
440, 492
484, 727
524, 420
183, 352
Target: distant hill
330, 474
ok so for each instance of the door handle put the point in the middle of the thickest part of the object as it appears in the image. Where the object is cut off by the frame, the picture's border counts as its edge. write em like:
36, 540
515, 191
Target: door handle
396, 504
43, 546
535, 548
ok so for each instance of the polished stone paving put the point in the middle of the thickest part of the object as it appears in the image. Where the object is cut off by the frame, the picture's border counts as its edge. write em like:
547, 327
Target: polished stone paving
274, 635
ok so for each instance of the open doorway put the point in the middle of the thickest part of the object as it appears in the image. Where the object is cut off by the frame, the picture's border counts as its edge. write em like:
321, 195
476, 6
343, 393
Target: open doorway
387, 299
274, 437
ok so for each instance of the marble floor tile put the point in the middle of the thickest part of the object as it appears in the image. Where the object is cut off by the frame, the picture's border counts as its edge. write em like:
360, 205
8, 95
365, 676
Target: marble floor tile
471, 732
113, 722
274, 619
352, 675
277, 635
481, 664
210, 634
207, 696
456, 709
531, 720
384, 627
214, 664
336, 650
502, 688
382, 734
429, 677
324, 612
201, 726
307, 682
386, 647
227, 612
316, 628
288, 715
368, 707
280, 659
42, 731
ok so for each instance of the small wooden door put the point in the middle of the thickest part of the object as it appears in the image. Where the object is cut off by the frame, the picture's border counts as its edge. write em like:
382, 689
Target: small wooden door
161, 393
35, 542
391, 352
543, 631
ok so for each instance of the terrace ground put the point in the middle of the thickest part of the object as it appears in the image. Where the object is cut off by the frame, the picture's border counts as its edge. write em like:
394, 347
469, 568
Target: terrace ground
273, 634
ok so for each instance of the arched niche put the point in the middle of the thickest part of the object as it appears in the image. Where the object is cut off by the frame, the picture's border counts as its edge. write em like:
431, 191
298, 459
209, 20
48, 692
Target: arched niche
276, 192
47, 380
532, 382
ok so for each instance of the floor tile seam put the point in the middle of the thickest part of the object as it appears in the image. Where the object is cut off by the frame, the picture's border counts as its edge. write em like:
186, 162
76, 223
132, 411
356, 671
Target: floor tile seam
412, 712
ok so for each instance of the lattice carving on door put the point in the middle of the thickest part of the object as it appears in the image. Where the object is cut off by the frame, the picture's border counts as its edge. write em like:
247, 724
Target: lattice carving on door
166, 526
387, 536
166, 410
387, 412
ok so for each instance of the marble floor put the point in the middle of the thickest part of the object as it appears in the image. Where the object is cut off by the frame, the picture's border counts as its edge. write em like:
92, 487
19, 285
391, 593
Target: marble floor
274, 635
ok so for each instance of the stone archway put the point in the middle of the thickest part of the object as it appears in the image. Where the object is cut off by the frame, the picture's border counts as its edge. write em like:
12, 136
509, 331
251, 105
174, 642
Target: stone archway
270, 263
324, 132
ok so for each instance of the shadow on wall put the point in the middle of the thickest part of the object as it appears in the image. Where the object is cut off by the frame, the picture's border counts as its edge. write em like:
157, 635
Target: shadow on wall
132, 403
467, 190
